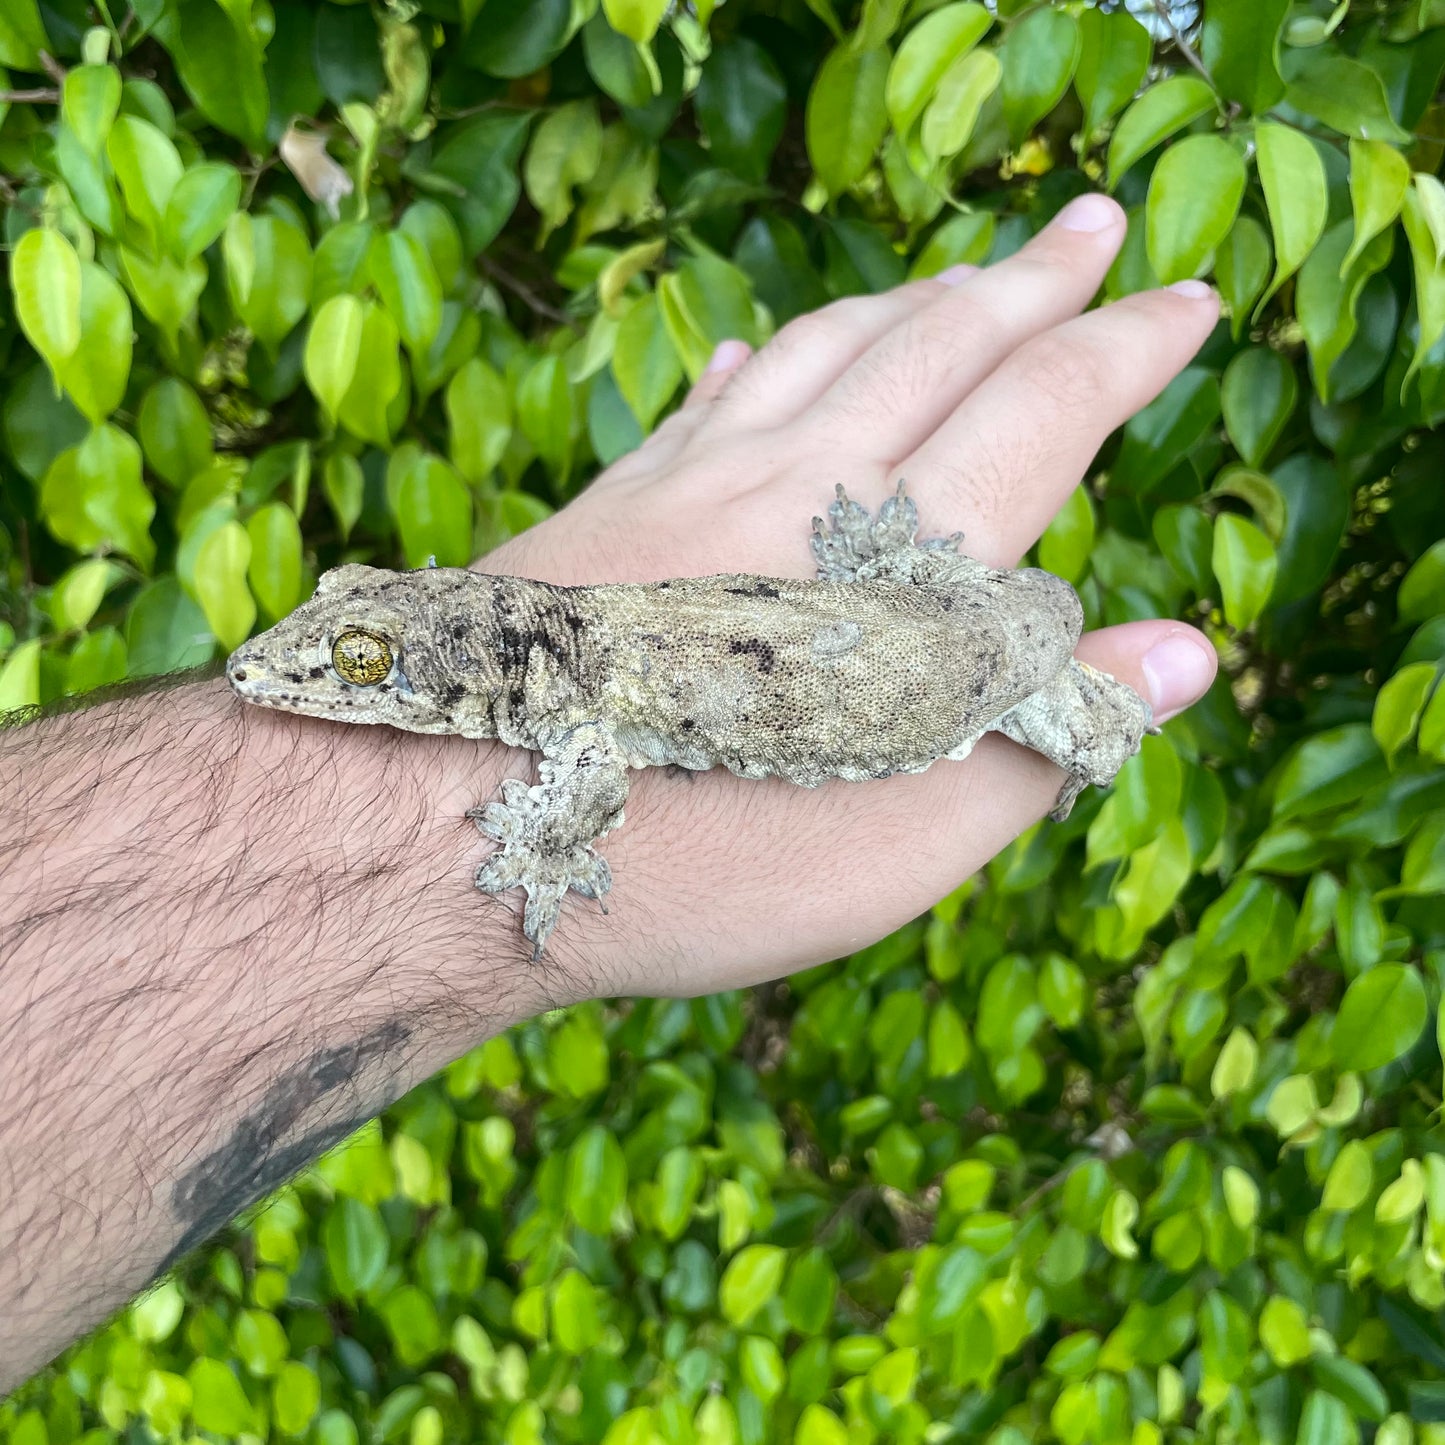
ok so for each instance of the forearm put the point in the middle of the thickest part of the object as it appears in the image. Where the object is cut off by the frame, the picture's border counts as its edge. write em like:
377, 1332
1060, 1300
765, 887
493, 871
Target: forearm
227, 938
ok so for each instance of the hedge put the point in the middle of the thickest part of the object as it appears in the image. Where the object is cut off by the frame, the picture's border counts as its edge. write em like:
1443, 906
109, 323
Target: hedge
1136, 1137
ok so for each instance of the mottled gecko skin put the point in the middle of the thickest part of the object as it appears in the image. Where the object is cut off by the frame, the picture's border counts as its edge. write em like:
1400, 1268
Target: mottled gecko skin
900, 653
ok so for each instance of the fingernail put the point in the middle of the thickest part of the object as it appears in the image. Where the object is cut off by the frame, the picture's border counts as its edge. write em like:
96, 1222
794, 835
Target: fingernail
728, 355
1088, 213
1178, 670
954, 274
1194, 290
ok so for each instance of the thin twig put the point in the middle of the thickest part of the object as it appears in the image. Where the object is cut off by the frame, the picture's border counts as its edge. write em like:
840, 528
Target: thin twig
52, 67
41, 96
524, 293
1161, 9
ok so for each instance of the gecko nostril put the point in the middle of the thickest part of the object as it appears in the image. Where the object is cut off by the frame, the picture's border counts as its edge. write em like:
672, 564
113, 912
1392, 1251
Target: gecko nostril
239, 674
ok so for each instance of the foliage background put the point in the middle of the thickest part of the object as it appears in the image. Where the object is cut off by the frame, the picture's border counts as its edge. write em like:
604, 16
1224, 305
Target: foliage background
1135, 1138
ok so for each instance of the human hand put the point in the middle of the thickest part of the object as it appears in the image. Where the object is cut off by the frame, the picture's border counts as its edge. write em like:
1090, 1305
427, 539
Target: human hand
990, 396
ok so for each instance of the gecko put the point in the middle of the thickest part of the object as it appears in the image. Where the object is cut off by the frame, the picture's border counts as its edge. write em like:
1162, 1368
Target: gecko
897, 654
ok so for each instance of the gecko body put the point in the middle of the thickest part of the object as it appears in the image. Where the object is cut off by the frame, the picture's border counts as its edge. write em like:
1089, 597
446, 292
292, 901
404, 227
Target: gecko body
899, 653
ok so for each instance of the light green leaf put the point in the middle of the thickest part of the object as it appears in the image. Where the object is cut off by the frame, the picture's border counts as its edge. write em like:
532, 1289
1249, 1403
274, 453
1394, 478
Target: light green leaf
220, 586
1399, 705
45, 278
356, 1245
565, 153
1194, 196
333, 349
1350, 1179
434, 514
953, 112
1381, 1015
89, 100
1234, 1069
1244, 562
365, 409
847, 115
752, 1278
175, 431
1162, 110
20, 677
1429, 278
80, 591
218, 1403
268, 274
1379, 178
479, 419
645, 362
147, 166
636, 19
1295, 193
927, 53
202, 203
274, 570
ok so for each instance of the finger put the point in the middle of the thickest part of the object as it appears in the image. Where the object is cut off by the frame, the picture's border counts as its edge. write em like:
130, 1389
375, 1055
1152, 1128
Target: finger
1007, 458
726, 360
905, 385
809, 354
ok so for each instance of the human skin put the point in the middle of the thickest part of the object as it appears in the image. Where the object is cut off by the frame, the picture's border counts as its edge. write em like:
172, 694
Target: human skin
228, 936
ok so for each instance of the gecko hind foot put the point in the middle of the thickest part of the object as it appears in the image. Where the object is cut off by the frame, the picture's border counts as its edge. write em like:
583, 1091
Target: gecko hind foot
528, 860
853, 546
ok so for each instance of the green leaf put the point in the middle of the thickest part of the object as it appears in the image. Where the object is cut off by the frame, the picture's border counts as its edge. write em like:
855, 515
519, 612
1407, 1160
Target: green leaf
1194, 196
80, 591
218, 1403
1382, 1014
1258, 396
200, 207
1160, 436
333, 349
220, 584
356, 1245
1399, 705
219, 60
89, 101
636, 19
22, 35
147, 166
175, 431
1068, 540
434, 514
645, 362
1284, 1331
1234, 1069
752, 1278
847, 115
1347, 95
1240, 50
407, 283
1241, 267
20, 677
1114, 54
45, 278
268, 274
1295, 193
1328, 769
296, 1397
952, 114
927, 53
597, 1181
474, 170
565, 153
1429, 278
365, 409
479, 419
1350, 1179
345, 488
1244, 562
741, 103
1379, 179
1353, 1385
1325, 1420
93, 496
1038, 56
618, 65
274, 571
1162, 110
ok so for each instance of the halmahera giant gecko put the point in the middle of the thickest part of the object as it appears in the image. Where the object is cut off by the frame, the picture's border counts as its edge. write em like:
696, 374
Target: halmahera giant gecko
901, 653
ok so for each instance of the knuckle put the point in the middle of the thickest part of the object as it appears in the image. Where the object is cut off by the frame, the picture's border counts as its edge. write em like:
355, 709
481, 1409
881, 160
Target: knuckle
1068, 370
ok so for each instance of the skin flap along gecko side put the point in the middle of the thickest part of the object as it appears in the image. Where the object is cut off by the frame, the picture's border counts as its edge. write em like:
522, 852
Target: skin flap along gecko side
899, 654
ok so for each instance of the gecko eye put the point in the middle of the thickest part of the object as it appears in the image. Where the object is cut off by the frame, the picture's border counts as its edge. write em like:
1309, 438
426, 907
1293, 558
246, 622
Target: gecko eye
361, 657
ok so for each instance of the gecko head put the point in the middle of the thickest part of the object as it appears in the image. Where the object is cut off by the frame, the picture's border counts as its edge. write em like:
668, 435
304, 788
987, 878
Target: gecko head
363, 649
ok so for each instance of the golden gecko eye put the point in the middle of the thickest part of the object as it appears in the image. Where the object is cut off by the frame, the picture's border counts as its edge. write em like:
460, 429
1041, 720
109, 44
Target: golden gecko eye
361, 658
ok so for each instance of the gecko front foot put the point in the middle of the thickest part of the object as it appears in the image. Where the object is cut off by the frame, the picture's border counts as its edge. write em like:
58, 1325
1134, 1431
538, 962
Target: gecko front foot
854, 547
531, 860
